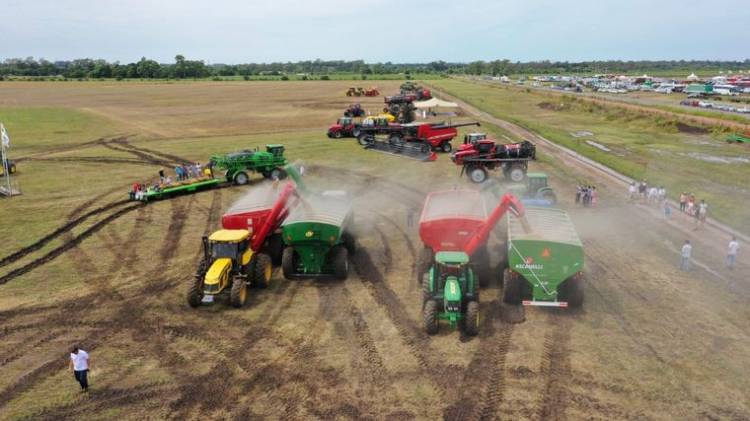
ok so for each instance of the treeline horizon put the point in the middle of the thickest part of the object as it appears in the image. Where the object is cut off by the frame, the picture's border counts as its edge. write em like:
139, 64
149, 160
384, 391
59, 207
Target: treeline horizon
186, 69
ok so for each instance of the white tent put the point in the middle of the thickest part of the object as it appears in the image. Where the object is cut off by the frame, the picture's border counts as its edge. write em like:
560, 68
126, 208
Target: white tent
434, 103
692, 77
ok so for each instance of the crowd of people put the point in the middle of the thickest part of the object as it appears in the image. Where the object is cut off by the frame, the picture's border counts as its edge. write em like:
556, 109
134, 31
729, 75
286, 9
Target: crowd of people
182, 173
586, 196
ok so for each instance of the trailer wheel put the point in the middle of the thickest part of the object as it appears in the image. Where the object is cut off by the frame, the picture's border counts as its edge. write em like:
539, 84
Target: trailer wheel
262, 269
446, 147
195, 292
512, 289
241, 178
471, 318
289, 262
340, 258
430, 317
573, 289
277, 174
517, 173
425, 261
349, 242
483, 267
275, 248
238, 293
477, 174
363, 139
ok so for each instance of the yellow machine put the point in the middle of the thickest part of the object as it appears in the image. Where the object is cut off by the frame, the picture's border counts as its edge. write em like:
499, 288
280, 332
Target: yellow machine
227, 266
11, 168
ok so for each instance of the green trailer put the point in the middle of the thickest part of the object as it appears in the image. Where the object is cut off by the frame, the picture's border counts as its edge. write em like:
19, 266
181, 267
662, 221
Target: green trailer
179, 188
545, 260
270, 163
316, 237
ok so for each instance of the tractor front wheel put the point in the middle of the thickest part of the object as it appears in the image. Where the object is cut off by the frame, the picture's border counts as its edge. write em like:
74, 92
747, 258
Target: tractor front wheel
238, 294
262, 270
512, 288
477, 174
337, 134
289, 263
446, 147
426, 290
241, 178
430, 317
195, 292
471, 318
340, 259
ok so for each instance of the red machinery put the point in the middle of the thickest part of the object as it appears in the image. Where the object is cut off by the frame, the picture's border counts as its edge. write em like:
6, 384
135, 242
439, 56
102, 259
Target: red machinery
344, 127
373, 91
355, 110
437, 136
478, 155
261, 212
458, 220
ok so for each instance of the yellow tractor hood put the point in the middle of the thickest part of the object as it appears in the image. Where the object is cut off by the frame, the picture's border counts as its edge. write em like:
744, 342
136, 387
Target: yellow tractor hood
217, 271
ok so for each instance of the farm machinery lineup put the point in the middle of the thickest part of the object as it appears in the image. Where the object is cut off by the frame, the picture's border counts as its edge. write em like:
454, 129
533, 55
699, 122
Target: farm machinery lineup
455, 262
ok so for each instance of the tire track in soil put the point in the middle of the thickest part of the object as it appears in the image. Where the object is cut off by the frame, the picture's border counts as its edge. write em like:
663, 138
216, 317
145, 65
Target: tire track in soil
555, 367
18, 353
407, 241
145, 157
175, 158
94, 160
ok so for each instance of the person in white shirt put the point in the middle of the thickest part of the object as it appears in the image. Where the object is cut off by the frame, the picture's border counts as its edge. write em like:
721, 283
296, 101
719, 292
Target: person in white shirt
687, 249
79, 364
732, 252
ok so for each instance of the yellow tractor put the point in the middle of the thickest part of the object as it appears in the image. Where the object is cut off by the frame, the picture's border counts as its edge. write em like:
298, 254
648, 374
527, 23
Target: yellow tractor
358, 91
229, 264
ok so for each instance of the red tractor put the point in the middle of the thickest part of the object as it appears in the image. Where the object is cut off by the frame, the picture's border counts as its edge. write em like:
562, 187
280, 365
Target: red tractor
344, 127
478, 155
373, 91
355, 110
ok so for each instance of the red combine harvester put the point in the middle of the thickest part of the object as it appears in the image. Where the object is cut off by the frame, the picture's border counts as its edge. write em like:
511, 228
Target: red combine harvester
420, 137
261, 213
478, 155
458, 221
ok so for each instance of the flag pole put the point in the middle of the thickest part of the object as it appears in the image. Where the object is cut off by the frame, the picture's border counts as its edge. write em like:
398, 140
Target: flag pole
6, 167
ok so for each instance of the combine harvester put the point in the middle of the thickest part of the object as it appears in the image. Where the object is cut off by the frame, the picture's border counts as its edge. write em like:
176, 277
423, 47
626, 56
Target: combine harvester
414, 140
545, 263
455, 262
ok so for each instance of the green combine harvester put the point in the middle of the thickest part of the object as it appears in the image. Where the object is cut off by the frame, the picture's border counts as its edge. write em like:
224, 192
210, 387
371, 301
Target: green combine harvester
270, 163
545, 264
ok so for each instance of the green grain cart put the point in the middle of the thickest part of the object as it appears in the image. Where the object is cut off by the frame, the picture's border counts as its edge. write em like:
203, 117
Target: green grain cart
316, 237
545, 263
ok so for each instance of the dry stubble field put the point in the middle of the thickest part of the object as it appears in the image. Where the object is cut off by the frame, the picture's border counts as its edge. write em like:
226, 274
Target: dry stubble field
82, 267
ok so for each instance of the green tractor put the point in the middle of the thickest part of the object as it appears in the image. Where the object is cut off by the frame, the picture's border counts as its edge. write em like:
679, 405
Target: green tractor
270, 163
535, 189
317, 238
451, 292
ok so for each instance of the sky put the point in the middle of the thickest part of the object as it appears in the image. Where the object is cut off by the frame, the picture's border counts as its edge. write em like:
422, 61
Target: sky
243, 31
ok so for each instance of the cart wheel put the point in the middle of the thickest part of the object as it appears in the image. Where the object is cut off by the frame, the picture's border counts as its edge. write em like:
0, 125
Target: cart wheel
430, 319
340, 258
471, 318
238, 294
262, 270
477, 174
241, 178
573, 291
289, 263
349, 242
195, 292
482, 266
446, 147
512, 289
275, 248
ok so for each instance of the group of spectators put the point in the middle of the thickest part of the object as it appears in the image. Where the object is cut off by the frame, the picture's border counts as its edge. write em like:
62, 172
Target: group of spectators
182, 172
586, 196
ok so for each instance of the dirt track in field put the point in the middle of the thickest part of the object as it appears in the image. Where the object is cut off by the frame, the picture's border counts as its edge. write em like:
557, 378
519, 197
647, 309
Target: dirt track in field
650, 342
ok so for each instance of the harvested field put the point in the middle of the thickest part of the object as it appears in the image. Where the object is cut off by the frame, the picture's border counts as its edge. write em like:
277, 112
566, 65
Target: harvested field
85, 267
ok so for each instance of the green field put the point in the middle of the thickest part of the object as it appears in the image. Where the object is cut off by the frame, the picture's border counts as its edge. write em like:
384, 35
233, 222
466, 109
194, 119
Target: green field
641, 146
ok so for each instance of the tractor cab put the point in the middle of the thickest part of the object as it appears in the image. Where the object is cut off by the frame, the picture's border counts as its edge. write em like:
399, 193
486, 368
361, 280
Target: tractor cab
473, 138
344, 121
535, 181
275, 150
226, 254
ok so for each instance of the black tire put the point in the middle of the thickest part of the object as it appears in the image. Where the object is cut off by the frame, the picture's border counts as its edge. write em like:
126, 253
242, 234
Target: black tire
482, 266
549, 196
477, 174
337, 134
289, 263
426, 291
395, 140
238, 293
340, 260
424, 148
356, 132
430, 317
517, 173
195, 292
277, 174
262, 270
425, 261
275, 248
349, 242
241, 178
363, 140
446, 147
471, 318
573, 291
512, 289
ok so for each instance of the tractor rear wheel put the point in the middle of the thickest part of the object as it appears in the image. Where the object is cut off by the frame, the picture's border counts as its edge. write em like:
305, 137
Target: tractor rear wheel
262, 270
517, 173
340, 259
477, 174
289, 262
430, 317
573, 291
195, 292
471, 318
549, 196
238, 293
512, 288
241, 178
446, 147
425, 261
277, 174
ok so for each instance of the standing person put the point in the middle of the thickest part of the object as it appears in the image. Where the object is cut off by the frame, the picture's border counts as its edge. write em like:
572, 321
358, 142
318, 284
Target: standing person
161, 175
578, 194
593, 196
667, 210
79, 364
702, 211
683, 201
732, 252
642, 190
632, 190
686, 251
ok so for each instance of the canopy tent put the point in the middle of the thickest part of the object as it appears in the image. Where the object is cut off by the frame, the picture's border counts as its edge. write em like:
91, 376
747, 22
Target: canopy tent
692, 77
434, 103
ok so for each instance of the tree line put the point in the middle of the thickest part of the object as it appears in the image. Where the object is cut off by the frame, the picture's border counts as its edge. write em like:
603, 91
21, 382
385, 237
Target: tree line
183, 68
